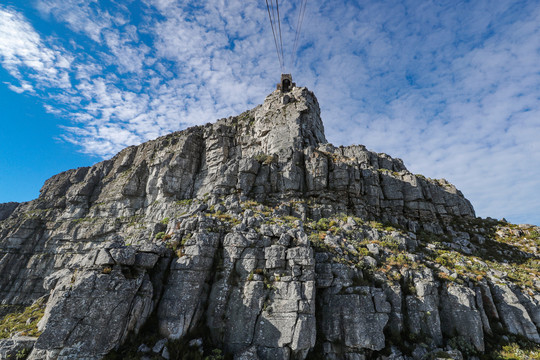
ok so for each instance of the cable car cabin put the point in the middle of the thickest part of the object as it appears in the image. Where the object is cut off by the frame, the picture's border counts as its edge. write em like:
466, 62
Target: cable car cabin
286, 83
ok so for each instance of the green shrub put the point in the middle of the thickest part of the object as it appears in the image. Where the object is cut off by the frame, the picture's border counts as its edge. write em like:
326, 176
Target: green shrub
264, 158
362, 251
217, 354
185, 202
444, 261
389, 242
514, 351
185, 239
322, 225
22, 354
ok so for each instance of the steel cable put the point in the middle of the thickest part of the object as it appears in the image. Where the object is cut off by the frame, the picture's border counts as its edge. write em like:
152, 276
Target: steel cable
300, 21
275, 23
280, 36
274, 33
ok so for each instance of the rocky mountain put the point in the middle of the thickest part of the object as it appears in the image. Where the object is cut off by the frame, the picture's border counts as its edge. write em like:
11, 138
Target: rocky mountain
253, 238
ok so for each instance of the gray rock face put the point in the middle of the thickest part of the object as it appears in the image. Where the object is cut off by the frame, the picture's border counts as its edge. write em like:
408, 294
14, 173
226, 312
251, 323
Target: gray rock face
459, 316
353, 320
266, 297
513, 314
7, 209
116, 303
423, 306
224, 228
180, 307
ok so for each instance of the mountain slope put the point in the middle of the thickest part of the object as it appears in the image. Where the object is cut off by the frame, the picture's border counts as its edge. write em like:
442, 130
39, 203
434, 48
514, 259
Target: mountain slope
258, 234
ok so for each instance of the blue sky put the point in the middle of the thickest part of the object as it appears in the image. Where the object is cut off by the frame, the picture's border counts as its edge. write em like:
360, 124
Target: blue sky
451, 87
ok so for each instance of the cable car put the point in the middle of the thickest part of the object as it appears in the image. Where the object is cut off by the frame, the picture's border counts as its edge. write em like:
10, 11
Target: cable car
286, 83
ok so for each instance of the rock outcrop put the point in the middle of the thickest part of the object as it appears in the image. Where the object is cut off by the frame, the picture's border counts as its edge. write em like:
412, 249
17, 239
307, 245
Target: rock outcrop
253, 237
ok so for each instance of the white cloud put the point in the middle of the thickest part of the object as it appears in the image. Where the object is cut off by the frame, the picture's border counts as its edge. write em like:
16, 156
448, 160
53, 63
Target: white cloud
83, 16
25, 57
20, 89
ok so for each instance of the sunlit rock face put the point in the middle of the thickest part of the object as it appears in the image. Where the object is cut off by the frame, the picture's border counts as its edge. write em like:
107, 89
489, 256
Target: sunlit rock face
256, 238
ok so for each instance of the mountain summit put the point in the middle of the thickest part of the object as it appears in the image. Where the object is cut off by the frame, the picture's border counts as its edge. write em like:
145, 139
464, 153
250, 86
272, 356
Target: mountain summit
253, 238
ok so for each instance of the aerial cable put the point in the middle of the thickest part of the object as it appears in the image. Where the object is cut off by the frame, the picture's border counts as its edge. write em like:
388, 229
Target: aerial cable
275, 22
273, 30
301, 14
274, 33
280, 37
277, 28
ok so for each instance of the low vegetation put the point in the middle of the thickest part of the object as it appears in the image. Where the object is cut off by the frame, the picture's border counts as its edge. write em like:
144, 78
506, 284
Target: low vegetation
23, 323
265, 159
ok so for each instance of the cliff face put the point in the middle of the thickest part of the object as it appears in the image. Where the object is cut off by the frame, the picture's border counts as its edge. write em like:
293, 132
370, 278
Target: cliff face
256, 237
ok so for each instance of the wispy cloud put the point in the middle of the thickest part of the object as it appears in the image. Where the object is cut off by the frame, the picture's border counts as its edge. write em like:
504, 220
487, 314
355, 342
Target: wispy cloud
24, 55
452, 88
82, 16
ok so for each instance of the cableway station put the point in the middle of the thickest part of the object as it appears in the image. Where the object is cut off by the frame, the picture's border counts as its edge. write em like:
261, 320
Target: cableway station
286, 83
